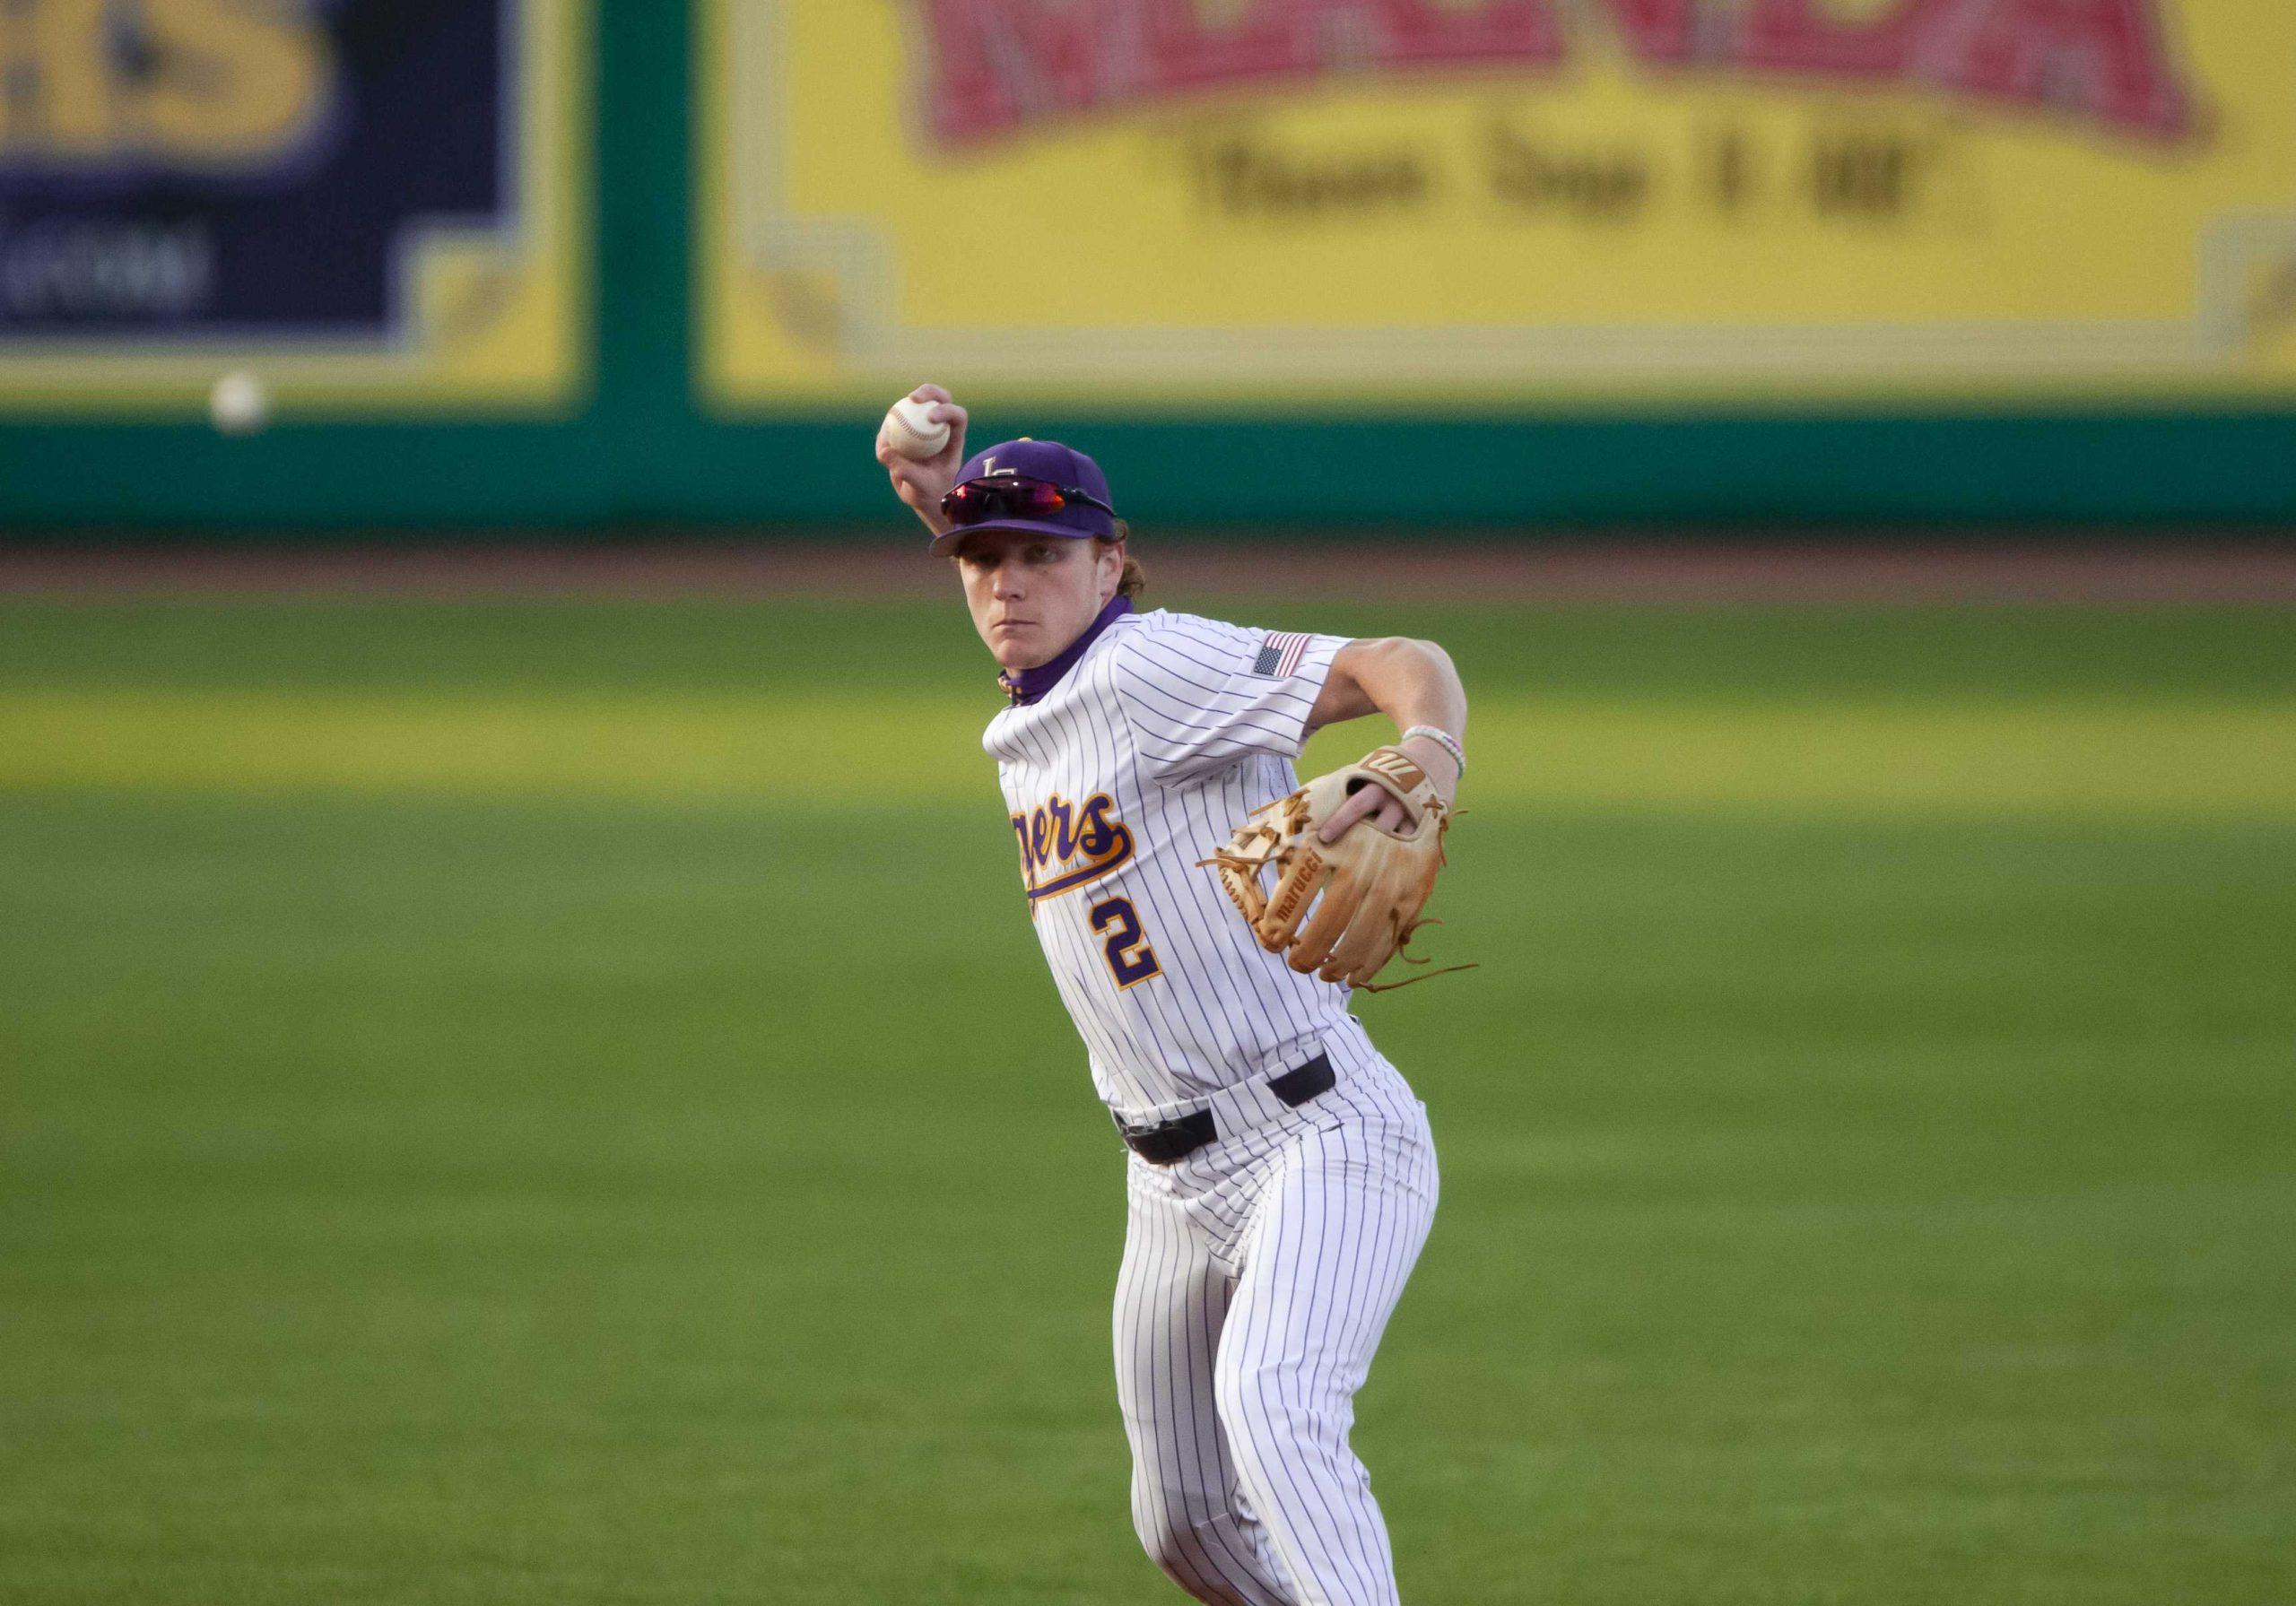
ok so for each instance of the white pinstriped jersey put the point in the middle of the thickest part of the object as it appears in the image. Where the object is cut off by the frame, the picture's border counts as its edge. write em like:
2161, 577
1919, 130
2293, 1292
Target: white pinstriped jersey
1137, 763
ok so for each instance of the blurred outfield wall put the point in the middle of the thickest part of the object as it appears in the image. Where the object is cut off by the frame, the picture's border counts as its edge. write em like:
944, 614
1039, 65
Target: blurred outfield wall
520, 262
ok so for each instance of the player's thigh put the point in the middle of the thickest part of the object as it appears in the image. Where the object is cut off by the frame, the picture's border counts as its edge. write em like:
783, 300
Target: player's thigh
1333, 1241
1171, 1303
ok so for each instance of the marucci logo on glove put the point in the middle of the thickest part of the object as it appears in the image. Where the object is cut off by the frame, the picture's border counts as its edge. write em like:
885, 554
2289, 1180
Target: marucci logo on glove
1295, 891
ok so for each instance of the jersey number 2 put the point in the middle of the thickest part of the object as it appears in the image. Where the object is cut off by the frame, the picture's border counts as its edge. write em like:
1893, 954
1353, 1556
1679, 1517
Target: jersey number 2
1129, 957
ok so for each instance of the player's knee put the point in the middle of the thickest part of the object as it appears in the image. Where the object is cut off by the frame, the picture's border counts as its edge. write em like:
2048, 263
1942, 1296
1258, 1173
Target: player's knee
1165, 1534
1201, 1557
1169, 1547
1158, 1514
1267, 1405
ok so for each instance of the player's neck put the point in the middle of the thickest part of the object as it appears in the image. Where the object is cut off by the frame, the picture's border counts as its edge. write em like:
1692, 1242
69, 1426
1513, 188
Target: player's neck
1025, 686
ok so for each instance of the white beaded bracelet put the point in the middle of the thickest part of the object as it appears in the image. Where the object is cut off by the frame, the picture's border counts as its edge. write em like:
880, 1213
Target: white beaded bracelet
1442, 739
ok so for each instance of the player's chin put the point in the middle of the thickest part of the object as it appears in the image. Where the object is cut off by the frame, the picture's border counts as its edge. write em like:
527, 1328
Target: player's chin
1016, 647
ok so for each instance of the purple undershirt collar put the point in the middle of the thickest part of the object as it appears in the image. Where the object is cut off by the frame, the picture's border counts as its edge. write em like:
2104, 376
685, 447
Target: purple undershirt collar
1031, 685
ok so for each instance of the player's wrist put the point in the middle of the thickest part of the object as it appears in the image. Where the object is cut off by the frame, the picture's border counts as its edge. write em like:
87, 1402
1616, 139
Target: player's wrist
1439, 754
925, 503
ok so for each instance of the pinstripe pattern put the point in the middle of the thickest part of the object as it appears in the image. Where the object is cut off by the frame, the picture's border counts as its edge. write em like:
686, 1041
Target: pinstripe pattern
1258, 1277
1165, 714
1259, 1272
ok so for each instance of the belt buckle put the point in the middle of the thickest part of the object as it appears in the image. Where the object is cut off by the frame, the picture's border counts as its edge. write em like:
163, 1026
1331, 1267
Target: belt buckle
1166, 1142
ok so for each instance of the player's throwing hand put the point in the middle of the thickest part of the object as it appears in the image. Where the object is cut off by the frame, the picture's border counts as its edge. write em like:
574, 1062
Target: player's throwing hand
922, 483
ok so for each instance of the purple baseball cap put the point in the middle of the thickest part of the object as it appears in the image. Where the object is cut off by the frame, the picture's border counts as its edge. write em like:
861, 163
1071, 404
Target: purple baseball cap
1046, 460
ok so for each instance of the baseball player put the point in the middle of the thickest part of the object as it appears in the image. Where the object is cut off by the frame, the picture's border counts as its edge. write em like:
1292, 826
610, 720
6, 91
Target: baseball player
1281, 1177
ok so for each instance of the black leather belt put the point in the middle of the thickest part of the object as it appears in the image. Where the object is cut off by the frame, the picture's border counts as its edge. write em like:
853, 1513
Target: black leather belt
1171, 1141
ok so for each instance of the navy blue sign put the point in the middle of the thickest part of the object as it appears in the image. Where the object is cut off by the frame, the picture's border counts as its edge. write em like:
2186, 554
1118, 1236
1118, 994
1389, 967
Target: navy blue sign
207, 168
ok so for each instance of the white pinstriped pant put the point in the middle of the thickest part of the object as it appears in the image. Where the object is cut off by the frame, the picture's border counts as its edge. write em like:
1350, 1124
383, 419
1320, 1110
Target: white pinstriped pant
1258, 1274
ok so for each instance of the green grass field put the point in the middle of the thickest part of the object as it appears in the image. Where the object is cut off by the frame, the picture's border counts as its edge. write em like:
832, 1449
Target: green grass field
554, 1102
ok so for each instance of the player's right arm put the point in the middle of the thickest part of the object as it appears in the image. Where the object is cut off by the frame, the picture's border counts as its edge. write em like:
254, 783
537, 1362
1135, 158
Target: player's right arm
1413, 683
923, 484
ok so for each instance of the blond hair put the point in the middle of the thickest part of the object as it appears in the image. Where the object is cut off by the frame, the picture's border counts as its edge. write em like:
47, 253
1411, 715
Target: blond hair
1136, 579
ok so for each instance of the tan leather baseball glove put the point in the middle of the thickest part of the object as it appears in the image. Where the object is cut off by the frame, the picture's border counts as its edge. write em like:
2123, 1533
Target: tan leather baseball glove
1374, 881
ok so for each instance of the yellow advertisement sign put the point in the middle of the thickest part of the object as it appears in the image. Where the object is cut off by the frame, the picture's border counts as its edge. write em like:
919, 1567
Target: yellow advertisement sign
366, 211
1335, 203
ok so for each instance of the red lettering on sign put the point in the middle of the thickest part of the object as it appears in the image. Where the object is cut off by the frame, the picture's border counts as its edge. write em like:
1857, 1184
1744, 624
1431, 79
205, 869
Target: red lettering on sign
1798, 36
2102, 58
996, 66
1661, 31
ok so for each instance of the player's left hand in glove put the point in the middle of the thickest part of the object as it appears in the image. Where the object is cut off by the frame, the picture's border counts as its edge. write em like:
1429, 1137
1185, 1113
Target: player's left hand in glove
1375, 877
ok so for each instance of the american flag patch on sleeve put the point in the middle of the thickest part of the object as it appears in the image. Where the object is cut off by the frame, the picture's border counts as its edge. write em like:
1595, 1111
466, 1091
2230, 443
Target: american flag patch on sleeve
1279, 655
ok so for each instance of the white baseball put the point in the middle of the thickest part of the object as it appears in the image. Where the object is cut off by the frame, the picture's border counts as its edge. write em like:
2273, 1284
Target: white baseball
238, 405
911, 430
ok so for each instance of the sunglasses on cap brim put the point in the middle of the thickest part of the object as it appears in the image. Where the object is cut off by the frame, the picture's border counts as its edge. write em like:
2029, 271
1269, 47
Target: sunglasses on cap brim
1014, 496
